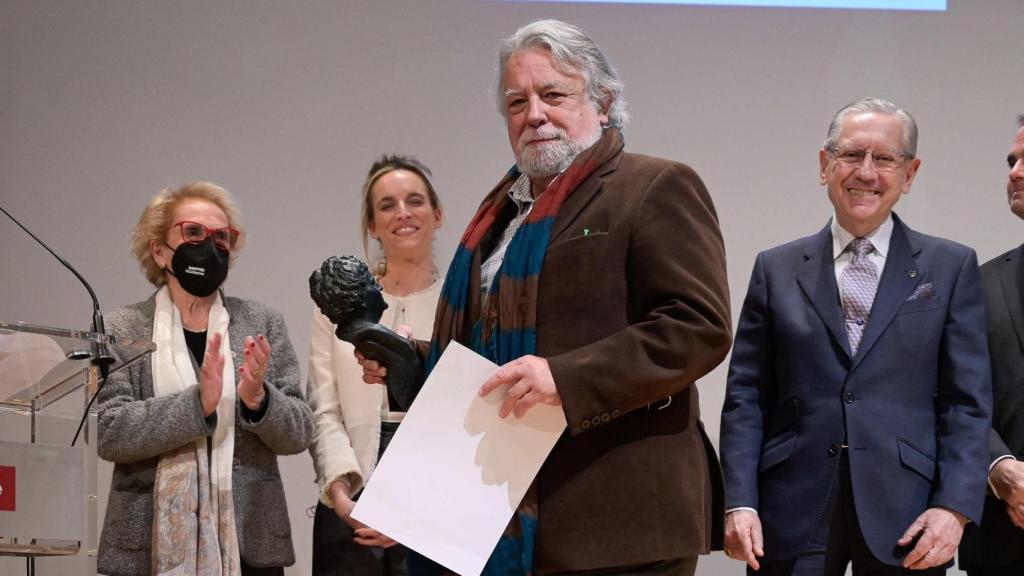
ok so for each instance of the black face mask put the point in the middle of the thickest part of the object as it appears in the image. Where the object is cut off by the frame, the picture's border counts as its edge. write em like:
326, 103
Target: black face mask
200, 268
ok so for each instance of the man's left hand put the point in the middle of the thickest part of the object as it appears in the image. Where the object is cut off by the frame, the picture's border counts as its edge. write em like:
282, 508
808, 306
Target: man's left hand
530, 383
940, 530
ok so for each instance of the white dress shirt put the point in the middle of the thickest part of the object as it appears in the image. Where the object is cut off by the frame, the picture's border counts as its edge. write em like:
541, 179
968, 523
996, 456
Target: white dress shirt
879, 239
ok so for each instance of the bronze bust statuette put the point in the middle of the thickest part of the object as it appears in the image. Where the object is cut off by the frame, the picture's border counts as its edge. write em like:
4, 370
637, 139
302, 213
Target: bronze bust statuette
350, 297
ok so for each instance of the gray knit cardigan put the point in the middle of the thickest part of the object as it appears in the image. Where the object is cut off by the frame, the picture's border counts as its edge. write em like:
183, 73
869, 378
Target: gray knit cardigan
135, 429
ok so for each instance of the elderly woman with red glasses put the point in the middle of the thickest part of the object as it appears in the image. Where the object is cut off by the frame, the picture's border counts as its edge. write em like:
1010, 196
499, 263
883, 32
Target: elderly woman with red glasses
194, 432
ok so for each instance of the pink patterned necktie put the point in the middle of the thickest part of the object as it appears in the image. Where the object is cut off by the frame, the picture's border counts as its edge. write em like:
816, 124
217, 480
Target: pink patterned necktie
860, 281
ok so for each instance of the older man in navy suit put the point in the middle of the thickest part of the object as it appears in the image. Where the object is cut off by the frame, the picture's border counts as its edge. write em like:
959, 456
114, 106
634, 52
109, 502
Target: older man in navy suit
857, 411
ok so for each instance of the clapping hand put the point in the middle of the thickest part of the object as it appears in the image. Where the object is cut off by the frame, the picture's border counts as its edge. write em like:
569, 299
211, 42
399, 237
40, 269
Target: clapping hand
252, 372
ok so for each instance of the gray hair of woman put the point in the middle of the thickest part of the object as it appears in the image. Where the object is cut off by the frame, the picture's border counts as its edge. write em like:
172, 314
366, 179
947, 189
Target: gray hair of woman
574, 52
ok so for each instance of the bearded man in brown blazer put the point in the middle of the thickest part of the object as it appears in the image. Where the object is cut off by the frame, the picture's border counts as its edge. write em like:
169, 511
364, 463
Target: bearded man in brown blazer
597, 279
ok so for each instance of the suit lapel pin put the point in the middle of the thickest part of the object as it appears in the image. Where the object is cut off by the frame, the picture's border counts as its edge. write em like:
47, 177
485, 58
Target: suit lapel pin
912, 273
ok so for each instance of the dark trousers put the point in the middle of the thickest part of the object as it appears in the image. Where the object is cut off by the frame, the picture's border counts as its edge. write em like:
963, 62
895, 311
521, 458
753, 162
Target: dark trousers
686, 566
334, 552
839, 543
1009, 569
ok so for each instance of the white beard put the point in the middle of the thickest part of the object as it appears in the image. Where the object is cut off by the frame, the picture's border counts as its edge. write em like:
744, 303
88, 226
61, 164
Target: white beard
551, 158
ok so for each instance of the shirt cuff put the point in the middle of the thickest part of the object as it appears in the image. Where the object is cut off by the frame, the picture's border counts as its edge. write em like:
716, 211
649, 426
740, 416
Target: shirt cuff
998, 460
746, 508
991, 467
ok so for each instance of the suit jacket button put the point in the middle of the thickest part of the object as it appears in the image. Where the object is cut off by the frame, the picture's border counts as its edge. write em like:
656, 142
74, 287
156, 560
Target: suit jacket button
595, 420
833, 450
585, 424
605, 417
850, 398
236, 464
615, 413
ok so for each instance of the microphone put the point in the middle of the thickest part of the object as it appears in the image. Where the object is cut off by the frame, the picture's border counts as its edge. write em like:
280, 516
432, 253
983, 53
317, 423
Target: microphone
101, 357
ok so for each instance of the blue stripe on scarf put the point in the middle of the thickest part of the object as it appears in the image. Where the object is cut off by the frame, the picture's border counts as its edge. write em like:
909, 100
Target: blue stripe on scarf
513, 344
525, 254
504, 344
512, 556
454, 295
456, 299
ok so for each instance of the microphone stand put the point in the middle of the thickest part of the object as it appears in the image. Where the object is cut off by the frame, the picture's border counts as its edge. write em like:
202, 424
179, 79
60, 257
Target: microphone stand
100, 354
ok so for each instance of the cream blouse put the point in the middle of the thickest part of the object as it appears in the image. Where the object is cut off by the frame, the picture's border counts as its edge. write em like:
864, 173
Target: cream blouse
347, 412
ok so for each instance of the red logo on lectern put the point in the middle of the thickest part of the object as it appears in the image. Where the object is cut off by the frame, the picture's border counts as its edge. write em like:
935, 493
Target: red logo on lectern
7, 500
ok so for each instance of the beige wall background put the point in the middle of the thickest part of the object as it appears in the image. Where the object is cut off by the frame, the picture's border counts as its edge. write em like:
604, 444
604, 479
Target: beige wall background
102, 103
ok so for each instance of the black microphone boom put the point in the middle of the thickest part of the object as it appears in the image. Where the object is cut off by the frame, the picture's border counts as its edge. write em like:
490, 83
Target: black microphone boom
100, 355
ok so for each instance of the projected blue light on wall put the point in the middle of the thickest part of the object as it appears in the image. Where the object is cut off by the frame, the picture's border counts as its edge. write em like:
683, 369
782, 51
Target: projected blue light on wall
863, 4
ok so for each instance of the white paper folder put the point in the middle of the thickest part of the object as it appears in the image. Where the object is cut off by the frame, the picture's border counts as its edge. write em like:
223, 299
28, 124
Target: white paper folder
455, 472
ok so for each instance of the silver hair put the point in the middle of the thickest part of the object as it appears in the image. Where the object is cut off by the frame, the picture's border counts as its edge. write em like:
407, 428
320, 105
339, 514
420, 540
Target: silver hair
573, 51
880, 106
1020, 120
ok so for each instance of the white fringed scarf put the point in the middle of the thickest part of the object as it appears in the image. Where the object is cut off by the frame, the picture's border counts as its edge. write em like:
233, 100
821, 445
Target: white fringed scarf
193, 511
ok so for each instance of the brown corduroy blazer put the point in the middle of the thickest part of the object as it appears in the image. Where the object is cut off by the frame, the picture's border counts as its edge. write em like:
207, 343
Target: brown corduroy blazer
633, 308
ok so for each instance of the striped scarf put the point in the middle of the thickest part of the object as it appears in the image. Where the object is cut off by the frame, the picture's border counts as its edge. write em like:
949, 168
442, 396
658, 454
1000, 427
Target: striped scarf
506, 329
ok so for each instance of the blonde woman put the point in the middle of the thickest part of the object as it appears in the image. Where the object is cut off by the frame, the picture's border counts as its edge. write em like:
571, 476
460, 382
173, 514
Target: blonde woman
354, 422
194, 432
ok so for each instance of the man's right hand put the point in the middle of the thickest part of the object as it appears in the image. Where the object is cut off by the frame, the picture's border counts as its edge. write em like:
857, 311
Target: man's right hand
743, 539
373, 372
1007, 478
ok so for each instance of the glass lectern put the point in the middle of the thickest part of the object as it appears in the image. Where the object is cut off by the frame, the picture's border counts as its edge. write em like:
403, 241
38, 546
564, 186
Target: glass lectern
47, 486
